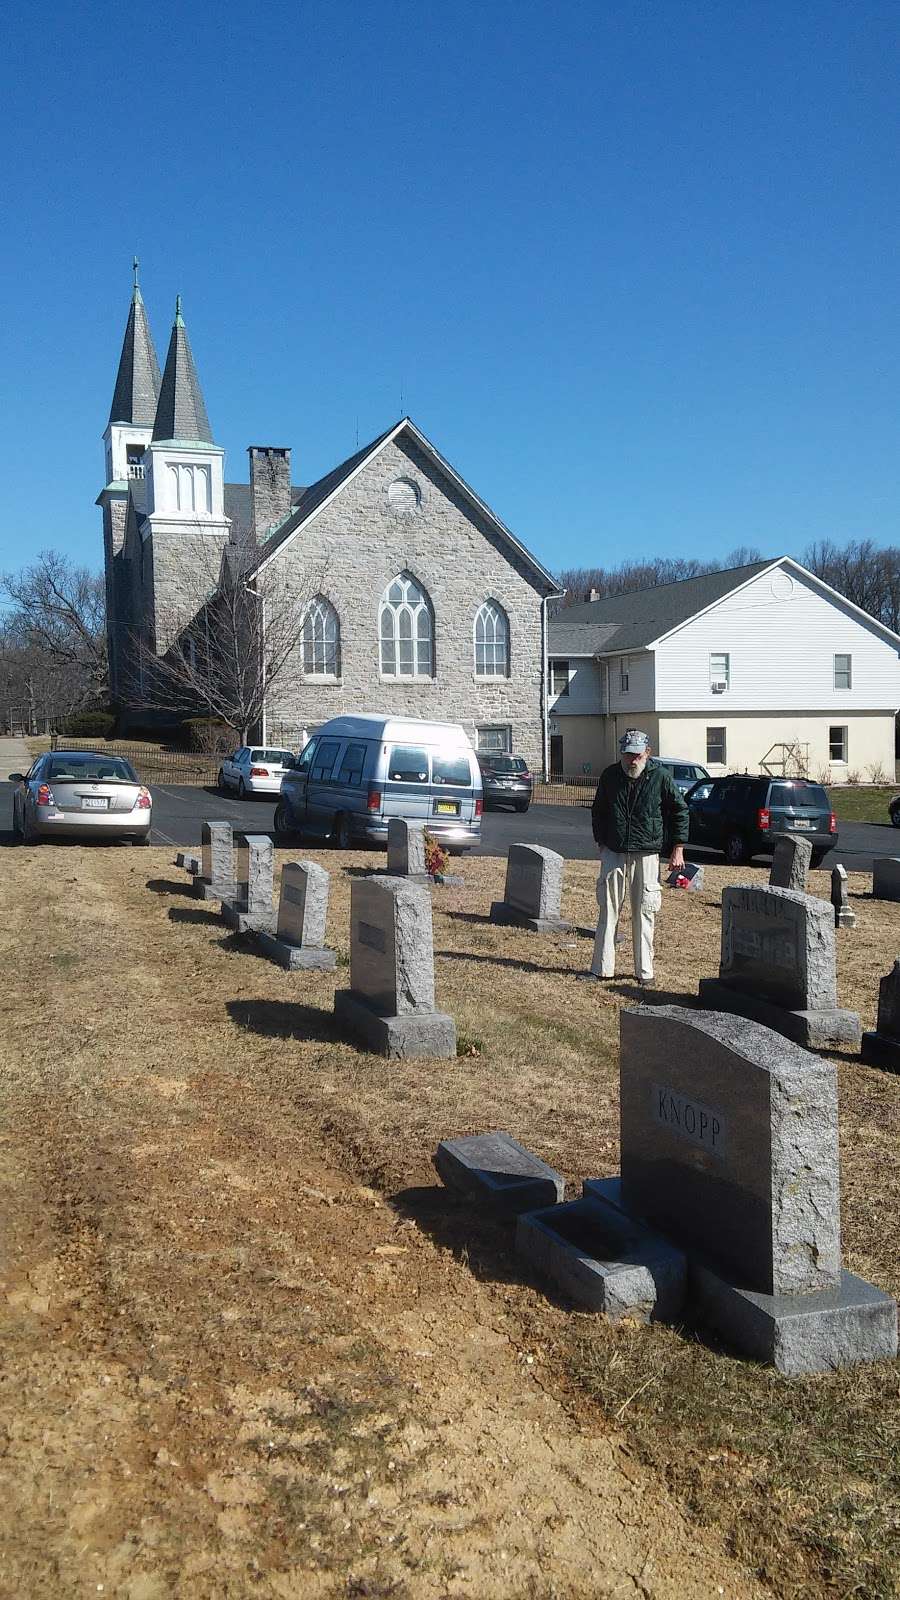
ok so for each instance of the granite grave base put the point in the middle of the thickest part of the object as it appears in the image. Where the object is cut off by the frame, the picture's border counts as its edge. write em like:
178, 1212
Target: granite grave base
296, 957
817, 1029
190, 863
406, 1037
510, 917
243, 921
204, 890
605, 1260
497, 1171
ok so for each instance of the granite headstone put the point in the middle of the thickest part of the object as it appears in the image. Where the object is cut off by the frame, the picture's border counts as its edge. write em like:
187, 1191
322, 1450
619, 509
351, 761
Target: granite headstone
881, 1048
886, 878
216, 880
790, 863
406, 849
844, 916
299, 938
390, 1002
533, 890
251, 909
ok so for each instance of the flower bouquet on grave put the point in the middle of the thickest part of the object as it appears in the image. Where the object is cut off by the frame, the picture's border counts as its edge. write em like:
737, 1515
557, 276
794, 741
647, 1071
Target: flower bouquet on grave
688, 876
436, 858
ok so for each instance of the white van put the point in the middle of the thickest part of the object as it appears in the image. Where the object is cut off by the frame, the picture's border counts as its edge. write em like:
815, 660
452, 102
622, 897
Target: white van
358, 772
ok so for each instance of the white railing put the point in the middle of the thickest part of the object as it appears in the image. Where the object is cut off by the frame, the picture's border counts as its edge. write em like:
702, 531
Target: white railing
135, 469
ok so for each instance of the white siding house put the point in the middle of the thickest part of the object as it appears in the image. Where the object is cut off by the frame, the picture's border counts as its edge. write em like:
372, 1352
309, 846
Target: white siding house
761, 667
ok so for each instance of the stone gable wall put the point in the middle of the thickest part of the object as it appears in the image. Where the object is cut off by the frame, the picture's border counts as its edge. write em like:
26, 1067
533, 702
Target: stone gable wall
355, 547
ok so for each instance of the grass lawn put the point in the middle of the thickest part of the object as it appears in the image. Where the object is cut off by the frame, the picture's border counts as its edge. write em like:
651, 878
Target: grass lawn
798, 1482
852, 803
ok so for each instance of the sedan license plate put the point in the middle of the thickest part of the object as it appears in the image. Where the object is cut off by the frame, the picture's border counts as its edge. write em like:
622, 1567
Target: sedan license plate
94, 803
446, 808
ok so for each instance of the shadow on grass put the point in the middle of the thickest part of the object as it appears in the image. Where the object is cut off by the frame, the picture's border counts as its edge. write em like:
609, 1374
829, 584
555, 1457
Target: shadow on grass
478, 917
276, 1019
485, 1246
653, 997
186, 914
508, 961
169, 886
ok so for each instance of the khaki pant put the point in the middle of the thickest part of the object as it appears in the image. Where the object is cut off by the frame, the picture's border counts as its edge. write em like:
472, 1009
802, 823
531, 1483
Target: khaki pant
639, 874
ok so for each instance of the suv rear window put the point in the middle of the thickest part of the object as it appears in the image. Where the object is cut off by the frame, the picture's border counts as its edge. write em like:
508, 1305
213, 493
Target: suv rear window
504, 763
799, 794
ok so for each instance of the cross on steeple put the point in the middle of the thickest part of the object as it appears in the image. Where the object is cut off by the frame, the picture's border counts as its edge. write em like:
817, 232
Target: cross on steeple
134, 267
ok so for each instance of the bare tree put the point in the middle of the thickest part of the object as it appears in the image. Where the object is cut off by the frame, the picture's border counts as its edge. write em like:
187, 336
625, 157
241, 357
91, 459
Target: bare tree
226, 660
585, 583
866, 575
53, 639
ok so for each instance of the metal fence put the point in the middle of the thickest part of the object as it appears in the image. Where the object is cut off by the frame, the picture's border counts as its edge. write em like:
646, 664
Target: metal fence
151, 763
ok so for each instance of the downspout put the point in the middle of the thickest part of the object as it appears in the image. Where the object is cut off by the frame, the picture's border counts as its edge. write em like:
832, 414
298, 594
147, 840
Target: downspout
545, 696
262, 668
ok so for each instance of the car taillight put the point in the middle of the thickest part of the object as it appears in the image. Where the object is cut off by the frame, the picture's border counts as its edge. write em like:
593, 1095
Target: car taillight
259, 772
374, 801
479, 806
832, 823
762, 819
45, 795
143, 802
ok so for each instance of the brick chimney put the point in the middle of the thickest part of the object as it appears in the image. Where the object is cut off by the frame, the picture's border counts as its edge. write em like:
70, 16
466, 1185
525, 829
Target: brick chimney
593, 594
270, 488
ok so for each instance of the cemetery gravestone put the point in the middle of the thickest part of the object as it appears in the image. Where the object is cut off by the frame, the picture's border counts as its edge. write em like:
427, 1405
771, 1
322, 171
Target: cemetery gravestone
299, 938
533, 890
251, 909
844, 917
790, 863
886, 878
730, 1146
216, 880
496, 1170
390, 1003
406, 850
777, 966
882, 1048
189, 861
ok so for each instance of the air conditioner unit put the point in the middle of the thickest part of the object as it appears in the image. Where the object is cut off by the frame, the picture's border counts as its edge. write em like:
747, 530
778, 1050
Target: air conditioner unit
719, 685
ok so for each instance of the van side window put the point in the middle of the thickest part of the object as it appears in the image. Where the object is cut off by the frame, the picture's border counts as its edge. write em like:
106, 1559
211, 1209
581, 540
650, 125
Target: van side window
407, 764
351, 768
326, 755
451, 769
304, 760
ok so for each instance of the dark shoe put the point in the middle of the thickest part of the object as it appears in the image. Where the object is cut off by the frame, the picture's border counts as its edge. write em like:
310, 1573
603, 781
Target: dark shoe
647, 983
592, 977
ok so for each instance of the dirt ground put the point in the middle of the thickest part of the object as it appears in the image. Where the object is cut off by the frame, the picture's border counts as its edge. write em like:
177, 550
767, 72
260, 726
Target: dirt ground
251, 1349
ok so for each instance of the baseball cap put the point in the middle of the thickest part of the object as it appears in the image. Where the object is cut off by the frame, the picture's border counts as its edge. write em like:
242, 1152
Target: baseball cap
633, 742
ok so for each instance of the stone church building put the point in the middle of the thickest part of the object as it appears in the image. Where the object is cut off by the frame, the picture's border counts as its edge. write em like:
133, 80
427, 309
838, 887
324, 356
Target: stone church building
426, 605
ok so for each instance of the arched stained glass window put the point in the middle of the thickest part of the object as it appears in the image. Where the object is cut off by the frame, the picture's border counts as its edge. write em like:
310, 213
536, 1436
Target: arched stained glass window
321, 640
491, 641
406, 630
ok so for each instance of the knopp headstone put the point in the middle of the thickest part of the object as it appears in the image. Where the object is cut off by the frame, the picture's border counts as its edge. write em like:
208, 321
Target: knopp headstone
533, 891
390, 1002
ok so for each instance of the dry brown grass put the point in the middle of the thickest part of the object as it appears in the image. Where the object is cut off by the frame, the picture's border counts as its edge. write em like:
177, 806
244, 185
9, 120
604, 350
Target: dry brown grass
802, 1478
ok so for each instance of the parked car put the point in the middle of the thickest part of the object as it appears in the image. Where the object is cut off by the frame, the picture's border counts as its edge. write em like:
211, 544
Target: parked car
684, 774
743, 815
358, 772
894, 809
82, 793
254, 770
506, 780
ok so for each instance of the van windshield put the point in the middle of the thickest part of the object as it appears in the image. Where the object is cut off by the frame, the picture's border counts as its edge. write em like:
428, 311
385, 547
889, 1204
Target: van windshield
451, 769
408, 764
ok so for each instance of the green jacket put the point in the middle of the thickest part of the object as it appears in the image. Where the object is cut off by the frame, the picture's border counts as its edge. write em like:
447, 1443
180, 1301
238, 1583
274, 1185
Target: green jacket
645, 813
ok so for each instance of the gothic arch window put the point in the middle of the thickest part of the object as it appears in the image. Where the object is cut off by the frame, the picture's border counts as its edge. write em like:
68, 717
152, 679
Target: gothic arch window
321, 640
491, 641
406, 630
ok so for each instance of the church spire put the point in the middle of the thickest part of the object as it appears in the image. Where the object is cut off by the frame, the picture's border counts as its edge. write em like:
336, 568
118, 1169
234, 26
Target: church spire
181, 413
136, 393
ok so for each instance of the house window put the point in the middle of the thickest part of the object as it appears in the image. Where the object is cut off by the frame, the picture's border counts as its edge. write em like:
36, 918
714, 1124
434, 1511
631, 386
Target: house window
321, 640
491, 641
843, 672
719, 671
406, 630
498, 738
624, 673
559, 678
715, 747
837, 744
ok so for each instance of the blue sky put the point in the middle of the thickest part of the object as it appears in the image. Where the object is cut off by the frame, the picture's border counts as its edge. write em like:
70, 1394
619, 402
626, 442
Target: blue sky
632, 265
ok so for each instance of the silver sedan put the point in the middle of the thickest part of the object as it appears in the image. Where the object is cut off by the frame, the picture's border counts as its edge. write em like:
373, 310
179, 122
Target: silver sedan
82, 793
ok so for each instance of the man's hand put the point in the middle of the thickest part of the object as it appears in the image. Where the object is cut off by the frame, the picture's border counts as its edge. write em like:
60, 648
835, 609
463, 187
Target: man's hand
676, 859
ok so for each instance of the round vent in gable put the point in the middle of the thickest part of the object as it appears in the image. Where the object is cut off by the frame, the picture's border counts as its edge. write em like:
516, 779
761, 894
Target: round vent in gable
782, 585
404, 495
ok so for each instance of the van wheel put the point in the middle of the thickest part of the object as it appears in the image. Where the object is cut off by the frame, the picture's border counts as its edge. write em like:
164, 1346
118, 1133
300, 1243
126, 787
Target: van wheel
341, 836
736, 853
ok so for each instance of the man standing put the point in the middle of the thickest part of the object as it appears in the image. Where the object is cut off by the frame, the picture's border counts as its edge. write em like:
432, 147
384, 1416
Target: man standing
635, 809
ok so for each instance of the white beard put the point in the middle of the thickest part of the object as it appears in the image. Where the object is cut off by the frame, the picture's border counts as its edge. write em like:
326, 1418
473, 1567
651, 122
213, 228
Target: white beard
635, 771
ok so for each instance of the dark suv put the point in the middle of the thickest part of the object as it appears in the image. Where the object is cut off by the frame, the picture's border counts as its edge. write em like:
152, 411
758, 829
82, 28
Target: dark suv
742, 815
506, 780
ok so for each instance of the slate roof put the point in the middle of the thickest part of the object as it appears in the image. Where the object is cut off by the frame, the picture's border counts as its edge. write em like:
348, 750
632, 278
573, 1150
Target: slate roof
136, 393
181, 412
633, 621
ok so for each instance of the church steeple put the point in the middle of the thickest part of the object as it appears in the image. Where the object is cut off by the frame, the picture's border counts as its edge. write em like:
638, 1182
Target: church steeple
181, 412
136, 393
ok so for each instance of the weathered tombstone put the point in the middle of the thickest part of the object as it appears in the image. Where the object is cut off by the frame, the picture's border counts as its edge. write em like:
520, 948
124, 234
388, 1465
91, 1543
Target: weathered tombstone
843, 916
251, 909
882, 1048
494, 1169
778, 966
189, 861
406, 850
533, 890
790, 863
216, 879
299, 938
729, 1140
390, 1003
886, 878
